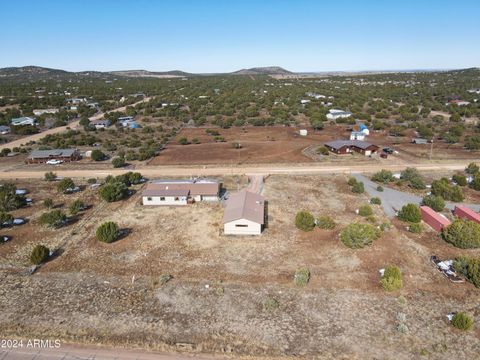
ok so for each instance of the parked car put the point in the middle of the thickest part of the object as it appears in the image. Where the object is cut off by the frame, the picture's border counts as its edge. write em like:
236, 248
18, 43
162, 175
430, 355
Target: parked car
4, 238
72, 190
54, 162
388, 150
16, 221
21, 191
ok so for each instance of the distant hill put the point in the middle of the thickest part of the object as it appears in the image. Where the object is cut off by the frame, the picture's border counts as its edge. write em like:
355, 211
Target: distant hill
33, 73
268, 70
30, 71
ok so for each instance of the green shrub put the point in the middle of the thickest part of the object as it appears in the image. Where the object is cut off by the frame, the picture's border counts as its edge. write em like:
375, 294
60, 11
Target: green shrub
9, 200
304, 221
356, 235
301, 277
447, 191
322, 150
351, 181
413, 177
48, 203
64, 184
380, 188
435, 202
39, 254
375, 201
325, 222
462, 321
358, 188
385, 226
475, 183
108, 232
113, 191
98, 155
472, 169
469, 267
460, 179
76, 206
5, 217
462, 233
410, 213
53, 219
92, 181
365, 210
118, 162
392, 278
383, 176
50, 176
271, 304
183, 141
415, 228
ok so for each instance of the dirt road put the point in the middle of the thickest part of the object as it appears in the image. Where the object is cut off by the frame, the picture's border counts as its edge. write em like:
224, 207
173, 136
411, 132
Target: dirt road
159, 171
36, 137
77, 352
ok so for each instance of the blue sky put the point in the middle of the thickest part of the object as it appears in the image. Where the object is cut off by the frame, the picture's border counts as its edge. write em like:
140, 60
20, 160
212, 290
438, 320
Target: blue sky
223, 35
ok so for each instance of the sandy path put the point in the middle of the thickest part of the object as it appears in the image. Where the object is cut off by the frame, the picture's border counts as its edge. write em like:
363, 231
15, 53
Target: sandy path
159, 171
72, 125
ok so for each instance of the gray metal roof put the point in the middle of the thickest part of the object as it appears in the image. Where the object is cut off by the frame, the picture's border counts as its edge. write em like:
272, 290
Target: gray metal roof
42, 154
245, 205
338, 144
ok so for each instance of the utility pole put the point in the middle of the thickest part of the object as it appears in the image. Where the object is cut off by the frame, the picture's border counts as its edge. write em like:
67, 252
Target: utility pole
431, 150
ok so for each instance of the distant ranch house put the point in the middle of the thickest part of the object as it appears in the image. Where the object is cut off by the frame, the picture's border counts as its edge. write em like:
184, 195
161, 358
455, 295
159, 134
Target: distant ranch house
458, 102
101, 124
42, 156
342, 147
38, 112
22, 121
335, 114
244, 214
180, 192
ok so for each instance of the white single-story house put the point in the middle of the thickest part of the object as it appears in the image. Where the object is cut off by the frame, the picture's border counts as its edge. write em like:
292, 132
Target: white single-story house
25, 120
458, 102
101, 124
38, 112
357, 135
244, 214
180, 192
335, 114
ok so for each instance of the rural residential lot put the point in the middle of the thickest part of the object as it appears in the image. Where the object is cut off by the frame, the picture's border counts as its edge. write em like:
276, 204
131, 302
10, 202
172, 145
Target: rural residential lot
215, 302
338, 170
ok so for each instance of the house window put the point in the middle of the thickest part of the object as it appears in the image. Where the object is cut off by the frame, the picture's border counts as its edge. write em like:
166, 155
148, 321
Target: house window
241, 225
162, 198
149, 199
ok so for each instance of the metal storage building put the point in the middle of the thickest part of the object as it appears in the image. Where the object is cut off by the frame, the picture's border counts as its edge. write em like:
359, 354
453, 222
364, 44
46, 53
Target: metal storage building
436, 220
466, 213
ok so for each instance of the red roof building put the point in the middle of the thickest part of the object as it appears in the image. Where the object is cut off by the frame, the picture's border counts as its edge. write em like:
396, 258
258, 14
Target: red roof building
466, 213
436, 220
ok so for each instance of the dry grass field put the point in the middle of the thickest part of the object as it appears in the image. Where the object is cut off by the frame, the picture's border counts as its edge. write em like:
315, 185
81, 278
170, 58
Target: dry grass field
112, 293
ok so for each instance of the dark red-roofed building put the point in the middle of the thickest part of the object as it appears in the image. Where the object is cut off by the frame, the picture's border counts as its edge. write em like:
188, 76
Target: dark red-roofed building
436, 220
466, 213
